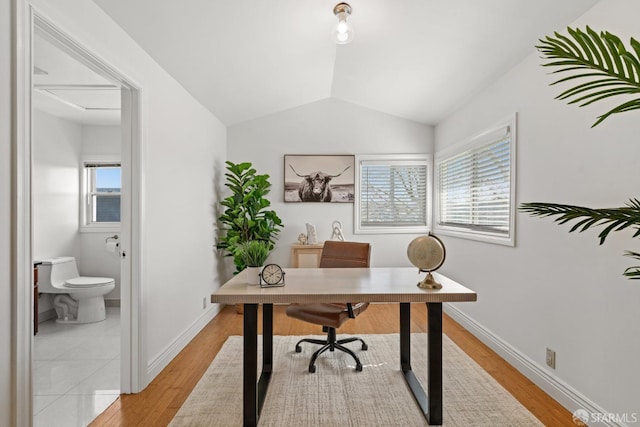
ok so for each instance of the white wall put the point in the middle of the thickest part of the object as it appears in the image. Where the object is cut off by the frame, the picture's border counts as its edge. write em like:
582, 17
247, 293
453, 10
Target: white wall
55, 185
59, 146
94, 260
329, 126
555, 289
101, 140
183, 150
6, 323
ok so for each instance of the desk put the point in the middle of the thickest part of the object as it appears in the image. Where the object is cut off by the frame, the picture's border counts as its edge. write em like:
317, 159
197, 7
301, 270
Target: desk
326, 285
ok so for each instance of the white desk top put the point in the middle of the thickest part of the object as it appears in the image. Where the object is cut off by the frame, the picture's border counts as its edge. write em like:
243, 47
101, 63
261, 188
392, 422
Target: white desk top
309, 285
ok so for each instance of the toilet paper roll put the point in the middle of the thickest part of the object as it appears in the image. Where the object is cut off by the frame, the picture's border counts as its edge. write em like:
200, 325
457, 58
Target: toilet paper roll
112, 246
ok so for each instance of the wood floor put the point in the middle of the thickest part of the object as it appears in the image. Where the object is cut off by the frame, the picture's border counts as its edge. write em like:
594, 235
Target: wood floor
158, 403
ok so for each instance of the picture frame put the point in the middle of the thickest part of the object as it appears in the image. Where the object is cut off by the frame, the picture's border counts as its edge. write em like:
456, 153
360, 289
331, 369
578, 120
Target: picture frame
319, 178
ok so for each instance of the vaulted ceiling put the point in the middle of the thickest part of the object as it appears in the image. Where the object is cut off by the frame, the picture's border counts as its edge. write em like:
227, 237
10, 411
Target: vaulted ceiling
416, 59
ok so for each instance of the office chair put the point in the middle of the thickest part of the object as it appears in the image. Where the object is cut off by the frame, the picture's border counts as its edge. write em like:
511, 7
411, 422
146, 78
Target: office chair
335, 254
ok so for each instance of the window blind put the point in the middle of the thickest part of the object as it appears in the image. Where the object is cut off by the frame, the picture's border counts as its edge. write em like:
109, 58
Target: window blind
393, 194
102, 165
474, 186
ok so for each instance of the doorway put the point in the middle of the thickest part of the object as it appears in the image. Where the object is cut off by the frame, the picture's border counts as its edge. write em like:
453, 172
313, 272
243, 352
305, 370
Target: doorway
132, 368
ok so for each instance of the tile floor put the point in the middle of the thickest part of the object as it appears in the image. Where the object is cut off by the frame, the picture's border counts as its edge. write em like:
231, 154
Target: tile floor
77, 371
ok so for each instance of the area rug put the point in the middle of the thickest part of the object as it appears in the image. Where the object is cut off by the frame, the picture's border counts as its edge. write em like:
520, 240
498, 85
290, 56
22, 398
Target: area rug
337, 395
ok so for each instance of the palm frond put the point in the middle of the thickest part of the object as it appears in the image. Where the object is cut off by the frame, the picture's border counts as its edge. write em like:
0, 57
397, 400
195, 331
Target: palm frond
602, 58
615, 219
632, 272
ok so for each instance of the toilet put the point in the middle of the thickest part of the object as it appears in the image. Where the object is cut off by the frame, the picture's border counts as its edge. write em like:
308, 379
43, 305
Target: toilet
77, 299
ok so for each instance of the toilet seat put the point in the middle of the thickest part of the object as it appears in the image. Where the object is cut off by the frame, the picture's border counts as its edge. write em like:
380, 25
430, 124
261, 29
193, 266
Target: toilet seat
88, 282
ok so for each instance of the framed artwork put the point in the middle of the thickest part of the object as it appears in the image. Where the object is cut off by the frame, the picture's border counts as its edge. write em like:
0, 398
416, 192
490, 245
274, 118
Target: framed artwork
319, 178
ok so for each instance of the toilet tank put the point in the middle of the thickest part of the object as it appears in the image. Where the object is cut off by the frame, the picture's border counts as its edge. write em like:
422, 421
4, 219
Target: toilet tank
55, 271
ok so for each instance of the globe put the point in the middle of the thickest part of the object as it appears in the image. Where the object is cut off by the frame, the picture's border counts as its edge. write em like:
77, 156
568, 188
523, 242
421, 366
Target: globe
428, 254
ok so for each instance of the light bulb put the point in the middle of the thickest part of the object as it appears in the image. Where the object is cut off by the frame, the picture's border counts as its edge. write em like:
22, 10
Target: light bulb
342, 37
342, 27
342, 32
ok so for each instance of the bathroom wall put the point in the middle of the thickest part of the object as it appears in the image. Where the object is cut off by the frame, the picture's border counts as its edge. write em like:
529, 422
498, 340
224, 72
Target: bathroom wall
60, 146
57, 145
94, 260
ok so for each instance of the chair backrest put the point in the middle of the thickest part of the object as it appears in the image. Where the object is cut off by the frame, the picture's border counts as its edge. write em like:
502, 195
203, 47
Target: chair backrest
339, 254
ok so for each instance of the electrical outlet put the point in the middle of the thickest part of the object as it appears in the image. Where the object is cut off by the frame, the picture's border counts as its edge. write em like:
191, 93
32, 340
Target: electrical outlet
551, 358
204, 303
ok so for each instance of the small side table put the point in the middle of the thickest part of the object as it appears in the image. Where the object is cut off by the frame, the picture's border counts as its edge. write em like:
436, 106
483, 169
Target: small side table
306, 256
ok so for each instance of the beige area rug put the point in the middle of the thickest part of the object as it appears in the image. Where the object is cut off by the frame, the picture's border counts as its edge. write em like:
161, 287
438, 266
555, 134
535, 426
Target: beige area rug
336, 395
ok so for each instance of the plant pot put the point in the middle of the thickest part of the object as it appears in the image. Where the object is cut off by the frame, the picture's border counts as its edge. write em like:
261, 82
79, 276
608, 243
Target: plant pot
253, 275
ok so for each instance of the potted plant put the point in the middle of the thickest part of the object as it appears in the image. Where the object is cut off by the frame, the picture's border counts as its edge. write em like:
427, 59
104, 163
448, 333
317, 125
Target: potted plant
246, 216
604, 69
253, 253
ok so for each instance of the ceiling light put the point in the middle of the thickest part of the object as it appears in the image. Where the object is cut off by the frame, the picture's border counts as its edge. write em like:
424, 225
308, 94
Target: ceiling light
342, 32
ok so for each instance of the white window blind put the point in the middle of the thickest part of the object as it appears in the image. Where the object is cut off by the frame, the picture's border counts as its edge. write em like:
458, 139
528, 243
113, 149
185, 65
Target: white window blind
392, 195
474, 186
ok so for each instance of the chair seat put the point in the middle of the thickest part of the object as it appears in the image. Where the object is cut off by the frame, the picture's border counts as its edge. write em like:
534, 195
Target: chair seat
331, 315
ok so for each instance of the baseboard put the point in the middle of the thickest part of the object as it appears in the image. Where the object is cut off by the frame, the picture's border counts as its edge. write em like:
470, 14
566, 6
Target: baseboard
112, 303
162, 359
47, 315
560, 391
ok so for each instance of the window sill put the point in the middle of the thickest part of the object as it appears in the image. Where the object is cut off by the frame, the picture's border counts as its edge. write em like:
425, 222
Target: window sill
391, 230
474, 235
111, 228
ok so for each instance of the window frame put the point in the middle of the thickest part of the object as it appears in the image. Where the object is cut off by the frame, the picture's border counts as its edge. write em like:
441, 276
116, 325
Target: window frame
86, 192
481, 139
426, 159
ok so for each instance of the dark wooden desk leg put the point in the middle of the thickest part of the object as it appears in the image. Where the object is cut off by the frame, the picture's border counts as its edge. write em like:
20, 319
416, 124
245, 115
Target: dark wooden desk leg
250, 366
267, 337
267, 354
405, 336
431, 402
405, 360
434, 337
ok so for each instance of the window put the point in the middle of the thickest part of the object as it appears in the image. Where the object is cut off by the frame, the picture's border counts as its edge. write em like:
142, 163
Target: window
392, 193
475, 187
102, 186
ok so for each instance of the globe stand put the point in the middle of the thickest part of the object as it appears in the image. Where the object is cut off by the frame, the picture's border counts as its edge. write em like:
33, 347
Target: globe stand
429, 282
427, 253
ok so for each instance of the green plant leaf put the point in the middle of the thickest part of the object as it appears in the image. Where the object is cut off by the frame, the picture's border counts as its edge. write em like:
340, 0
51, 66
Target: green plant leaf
245, 217
616, 219
632, 272
602, 58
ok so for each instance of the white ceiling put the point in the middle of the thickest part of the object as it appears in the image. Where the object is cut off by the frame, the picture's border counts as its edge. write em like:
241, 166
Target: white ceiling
66, 88
417, 59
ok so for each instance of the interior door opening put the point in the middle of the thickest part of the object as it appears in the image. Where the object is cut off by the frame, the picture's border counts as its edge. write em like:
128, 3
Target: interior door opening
33, 28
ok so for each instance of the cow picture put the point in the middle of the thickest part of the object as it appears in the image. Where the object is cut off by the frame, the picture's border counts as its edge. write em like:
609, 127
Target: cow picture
319, 179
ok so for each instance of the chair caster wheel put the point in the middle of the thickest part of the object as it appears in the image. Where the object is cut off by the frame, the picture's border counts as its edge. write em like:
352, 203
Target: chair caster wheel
312, 369
365, 347
358, 367
298, 349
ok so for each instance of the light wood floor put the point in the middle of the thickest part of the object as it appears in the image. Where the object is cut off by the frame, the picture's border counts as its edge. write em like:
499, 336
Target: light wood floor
158, 403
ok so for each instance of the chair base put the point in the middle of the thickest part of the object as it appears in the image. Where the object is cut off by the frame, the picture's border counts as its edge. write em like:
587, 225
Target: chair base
331, 344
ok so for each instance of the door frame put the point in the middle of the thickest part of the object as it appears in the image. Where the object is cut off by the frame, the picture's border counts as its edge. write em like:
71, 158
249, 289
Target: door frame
132, 355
